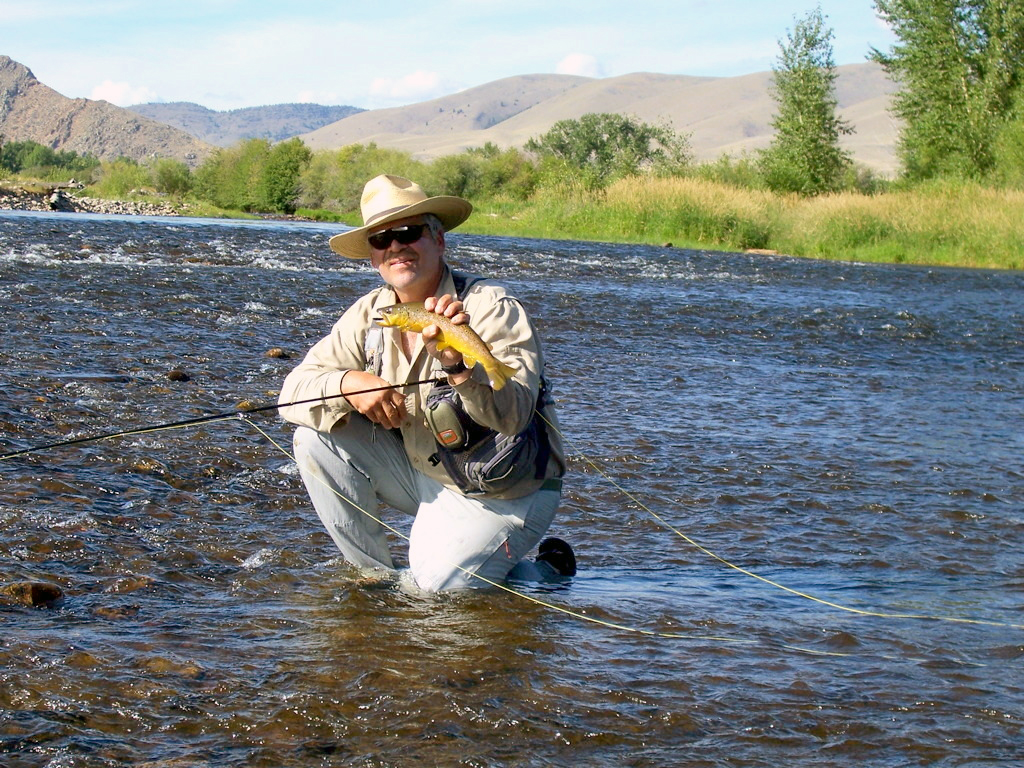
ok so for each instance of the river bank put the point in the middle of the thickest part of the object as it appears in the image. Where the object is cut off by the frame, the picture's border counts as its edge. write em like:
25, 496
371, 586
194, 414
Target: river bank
947, 224
62, 198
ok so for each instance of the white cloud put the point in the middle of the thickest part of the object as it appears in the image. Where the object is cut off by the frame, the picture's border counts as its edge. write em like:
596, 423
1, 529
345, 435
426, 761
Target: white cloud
122, 94
582, 64
416, 86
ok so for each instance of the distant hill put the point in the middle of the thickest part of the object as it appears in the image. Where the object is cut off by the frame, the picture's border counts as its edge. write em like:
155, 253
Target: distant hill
721, 114
31, 111
224, 129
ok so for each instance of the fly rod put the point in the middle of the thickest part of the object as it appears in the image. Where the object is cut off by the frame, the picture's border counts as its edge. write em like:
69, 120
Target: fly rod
201, 420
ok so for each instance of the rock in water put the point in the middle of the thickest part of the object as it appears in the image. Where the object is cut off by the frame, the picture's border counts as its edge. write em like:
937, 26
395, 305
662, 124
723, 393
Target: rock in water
34, 593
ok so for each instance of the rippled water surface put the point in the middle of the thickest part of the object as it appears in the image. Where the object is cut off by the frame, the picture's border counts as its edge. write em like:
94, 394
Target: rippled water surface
747, 433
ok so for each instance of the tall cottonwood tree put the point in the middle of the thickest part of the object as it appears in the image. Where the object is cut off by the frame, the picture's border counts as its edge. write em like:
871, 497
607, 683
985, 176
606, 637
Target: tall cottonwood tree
960, 67
805, 155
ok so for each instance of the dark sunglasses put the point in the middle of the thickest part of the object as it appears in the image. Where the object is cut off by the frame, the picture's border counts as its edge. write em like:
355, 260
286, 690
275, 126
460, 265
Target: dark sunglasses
406, 235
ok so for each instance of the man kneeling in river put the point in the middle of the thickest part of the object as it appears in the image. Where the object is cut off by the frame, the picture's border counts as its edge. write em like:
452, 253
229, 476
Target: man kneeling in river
477, 459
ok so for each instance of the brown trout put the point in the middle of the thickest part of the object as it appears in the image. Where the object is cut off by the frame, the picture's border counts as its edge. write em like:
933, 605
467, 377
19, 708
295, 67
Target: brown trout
413, 317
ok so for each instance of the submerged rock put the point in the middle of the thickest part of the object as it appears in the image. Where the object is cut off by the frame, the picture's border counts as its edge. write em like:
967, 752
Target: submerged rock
114, 613
34, 593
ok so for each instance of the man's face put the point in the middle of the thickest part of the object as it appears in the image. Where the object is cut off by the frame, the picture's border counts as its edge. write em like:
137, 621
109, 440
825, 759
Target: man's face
413, 270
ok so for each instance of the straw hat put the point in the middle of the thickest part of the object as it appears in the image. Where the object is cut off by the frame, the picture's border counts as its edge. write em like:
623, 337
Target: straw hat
389, 198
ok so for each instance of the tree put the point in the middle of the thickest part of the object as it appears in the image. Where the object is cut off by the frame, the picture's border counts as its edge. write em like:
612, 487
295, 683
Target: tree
31, 156
1008, 148
805, 155
959, 64
233, 177
170, 176
284, 166
334, 179
606, 146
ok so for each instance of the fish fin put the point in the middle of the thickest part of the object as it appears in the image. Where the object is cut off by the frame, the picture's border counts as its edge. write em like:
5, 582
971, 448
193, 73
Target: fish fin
500, 374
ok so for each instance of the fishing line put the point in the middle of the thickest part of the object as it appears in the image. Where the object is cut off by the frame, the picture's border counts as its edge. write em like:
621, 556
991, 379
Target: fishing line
244, 413
821, 601
201, 420
577, 614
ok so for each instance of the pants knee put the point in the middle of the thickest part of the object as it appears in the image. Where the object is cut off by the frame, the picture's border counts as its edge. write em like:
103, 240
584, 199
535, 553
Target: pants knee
304, 443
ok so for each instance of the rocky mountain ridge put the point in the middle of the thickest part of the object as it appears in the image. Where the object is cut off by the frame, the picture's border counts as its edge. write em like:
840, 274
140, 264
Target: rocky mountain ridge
31, 111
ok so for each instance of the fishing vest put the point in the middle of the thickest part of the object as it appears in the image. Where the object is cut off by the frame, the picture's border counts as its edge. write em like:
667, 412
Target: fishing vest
479, 460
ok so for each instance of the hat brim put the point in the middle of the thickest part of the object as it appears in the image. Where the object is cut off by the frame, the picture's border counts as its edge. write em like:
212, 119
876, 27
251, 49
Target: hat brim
452, 211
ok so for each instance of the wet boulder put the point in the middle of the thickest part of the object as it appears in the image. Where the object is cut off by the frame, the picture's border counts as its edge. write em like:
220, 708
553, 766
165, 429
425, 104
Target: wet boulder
39, 594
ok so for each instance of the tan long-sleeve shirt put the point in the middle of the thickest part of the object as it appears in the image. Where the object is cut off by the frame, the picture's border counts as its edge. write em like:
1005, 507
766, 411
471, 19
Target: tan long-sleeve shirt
498, 318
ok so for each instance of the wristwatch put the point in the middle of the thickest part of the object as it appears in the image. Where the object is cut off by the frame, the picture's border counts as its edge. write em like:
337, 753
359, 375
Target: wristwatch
452, 370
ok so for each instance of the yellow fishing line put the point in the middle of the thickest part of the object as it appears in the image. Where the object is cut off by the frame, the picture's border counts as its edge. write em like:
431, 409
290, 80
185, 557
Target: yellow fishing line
504, 587
244, 416
583, 616
751, 574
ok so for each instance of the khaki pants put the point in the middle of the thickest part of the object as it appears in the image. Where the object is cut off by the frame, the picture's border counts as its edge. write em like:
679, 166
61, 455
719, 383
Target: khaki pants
359, 466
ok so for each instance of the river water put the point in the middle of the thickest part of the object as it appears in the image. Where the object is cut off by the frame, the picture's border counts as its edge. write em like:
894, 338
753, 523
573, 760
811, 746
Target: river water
747, 433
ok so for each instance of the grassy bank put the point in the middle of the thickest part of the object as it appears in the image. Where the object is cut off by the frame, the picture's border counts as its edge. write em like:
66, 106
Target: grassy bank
943, 223
947, 224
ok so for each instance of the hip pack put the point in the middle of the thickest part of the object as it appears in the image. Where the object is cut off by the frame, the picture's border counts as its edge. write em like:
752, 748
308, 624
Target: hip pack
480, 460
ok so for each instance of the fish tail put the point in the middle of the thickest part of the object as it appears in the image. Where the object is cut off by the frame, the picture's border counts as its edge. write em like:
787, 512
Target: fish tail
499, 374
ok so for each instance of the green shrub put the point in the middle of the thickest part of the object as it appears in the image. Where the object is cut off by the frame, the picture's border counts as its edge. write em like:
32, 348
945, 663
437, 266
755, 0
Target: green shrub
171, 177
119, 178
334, 179
1008, 168
740, 172
319, 214
455, 175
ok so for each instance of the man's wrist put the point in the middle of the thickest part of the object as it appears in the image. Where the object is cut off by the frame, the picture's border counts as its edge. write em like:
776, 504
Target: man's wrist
454, 370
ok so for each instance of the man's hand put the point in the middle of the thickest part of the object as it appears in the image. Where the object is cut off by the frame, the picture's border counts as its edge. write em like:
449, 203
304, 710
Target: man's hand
454, 310
385, 406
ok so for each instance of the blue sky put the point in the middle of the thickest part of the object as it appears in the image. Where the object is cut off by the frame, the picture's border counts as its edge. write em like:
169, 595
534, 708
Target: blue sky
227, 54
